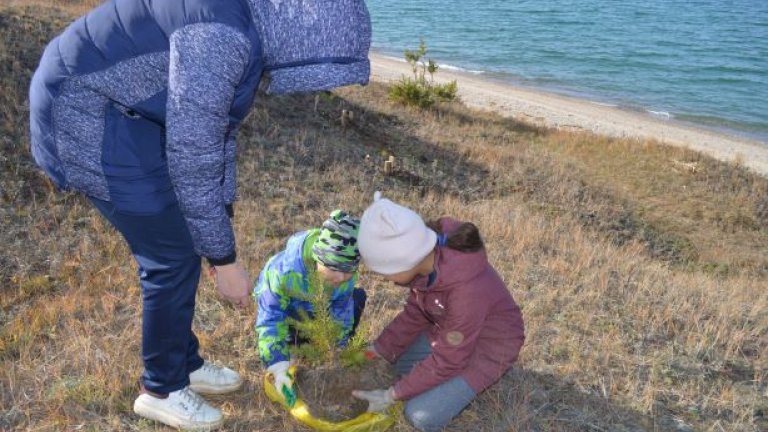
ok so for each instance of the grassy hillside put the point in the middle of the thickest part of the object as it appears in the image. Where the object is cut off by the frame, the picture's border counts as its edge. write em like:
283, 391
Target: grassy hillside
641, 269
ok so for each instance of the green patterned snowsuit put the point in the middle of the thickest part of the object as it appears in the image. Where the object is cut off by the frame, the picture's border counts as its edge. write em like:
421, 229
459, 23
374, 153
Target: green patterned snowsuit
286, 273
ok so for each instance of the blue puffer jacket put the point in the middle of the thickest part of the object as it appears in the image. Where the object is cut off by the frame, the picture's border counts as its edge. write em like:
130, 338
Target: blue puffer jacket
138, 102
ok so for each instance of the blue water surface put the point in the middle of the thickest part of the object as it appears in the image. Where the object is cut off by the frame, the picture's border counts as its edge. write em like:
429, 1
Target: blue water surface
701, 61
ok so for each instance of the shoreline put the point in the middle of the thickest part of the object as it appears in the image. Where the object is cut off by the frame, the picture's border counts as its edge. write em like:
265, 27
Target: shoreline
570, 113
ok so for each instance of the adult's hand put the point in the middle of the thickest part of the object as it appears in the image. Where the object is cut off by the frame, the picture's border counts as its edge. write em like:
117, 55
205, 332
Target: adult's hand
233, 283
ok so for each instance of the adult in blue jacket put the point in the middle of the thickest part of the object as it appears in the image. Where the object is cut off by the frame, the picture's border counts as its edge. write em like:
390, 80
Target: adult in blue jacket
137, 105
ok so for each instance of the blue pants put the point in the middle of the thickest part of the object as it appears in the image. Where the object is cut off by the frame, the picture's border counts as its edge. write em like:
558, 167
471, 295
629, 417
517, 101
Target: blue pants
169, 271
432, 410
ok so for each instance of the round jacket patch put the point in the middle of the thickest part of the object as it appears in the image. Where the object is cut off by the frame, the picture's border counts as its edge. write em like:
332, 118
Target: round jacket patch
454, 338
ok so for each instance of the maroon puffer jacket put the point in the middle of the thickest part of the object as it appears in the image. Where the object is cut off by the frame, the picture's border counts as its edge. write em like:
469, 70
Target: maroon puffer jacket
473, 324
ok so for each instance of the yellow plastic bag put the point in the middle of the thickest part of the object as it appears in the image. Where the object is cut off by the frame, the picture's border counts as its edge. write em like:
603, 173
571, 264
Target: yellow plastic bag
366, 422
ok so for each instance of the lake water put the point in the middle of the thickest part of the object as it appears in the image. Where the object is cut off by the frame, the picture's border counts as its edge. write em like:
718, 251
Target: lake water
700, 61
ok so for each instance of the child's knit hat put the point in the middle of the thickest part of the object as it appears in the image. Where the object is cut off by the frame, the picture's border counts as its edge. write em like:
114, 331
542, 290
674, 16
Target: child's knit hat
336, 246
392, 238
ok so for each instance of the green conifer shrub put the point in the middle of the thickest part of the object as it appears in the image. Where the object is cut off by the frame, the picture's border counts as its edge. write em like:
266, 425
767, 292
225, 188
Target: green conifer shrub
419, 91
324, 333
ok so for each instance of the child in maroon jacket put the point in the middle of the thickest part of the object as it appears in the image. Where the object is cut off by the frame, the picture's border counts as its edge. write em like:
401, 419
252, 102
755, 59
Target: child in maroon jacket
460, 329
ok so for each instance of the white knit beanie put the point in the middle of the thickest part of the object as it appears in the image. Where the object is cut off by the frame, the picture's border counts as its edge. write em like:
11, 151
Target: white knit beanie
392, 238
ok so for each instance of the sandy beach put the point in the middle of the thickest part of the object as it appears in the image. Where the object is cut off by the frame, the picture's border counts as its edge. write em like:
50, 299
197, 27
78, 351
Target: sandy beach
577, 114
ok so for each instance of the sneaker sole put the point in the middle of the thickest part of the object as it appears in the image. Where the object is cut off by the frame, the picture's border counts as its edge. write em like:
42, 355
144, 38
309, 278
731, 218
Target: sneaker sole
215, 390
165, 418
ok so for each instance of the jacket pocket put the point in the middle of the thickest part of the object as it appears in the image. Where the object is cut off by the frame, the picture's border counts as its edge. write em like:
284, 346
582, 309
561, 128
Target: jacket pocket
132, 144
134, 162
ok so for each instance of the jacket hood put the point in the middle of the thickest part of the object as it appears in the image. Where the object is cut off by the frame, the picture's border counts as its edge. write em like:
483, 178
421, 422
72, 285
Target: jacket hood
312, 45
291, 259
452, 266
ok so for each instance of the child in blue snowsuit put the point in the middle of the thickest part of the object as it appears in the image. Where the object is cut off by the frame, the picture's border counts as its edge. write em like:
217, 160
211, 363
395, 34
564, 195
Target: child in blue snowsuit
284, 282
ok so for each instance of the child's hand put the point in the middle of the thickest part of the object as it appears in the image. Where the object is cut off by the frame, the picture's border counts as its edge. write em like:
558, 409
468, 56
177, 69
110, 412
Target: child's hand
284, 381
371, 354
378, 400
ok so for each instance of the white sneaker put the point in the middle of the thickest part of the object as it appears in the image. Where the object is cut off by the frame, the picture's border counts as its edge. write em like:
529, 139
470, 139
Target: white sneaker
183, 409
212, 379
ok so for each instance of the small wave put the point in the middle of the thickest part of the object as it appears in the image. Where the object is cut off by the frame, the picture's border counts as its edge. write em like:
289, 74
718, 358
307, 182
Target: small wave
440, 65
459, 69
661, 114
391, 57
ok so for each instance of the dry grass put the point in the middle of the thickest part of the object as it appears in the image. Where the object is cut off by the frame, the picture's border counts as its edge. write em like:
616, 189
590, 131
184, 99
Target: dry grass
641, 269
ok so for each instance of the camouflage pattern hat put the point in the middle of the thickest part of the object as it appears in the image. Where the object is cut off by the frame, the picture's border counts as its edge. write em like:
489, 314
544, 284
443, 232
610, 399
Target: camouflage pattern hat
336, 246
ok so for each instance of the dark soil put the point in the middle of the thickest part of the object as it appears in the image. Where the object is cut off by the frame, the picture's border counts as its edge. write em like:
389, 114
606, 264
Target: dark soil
327, 391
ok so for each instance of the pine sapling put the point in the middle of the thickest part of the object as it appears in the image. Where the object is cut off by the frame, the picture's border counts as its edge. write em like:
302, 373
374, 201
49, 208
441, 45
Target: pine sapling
418, 91
323, 332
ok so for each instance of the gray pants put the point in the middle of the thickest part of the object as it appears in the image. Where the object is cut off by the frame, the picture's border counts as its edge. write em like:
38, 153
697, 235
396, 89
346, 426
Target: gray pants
432, 410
